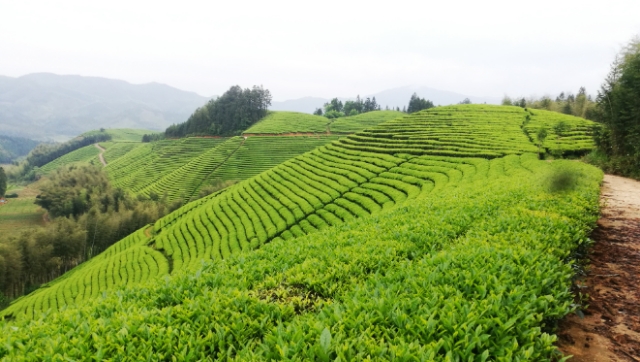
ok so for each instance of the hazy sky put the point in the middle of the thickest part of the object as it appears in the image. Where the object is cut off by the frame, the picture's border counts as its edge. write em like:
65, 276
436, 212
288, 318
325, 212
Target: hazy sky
323, 48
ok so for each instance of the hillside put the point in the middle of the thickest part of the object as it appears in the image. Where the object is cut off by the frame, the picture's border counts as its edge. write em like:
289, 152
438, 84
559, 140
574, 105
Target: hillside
181, 168
11, 148
122, 141
347, 268
58, 107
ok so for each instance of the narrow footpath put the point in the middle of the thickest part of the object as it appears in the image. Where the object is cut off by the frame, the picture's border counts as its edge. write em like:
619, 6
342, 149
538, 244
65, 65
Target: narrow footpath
101, 155
610, 329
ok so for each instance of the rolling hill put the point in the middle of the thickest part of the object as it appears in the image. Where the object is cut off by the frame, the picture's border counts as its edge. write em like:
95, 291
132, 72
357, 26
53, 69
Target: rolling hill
57, 107
436, 236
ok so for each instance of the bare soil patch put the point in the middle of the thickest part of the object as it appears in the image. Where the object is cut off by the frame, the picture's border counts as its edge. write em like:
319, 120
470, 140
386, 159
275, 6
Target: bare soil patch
101, 155
610, 329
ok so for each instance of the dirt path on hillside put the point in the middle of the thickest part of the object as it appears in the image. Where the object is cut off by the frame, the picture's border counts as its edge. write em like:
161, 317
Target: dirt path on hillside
610, 329
101, 155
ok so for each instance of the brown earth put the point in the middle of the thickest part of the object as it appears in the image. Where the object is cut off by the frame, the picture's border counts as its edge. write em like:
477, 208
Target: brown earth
610, 329
104, 163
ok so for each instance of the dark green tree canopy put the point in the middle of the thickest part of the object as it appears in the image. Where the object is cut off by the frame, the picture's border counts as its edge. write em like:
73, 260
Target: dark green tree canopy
417, 104
3, 182
618, 111
236, 110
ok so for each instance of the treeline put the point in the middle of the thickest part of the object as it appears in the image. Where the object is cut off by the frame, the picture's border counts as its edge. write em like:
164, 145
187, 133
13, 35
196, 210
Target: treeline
3, 182
45, 153
579, 105
13, 147
618, 112
236, 110
88, 215
336, 109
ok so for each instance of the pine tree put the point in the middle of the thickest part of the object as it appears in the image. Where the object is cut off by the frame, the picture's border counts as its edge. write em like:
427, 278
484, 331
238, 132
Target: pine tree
3, 182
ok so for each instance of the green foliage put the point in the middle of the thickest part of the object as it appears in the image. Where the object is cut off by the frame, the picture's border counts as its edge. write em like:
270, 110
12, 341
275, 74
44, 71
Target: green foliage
480, 278
561, 128
580, 105
120, 135
13, 147
362, 121
233, 112
289, 122
43, 153
568, 135
335, 108
423, 238
618, 111
73, 191
417, 104
541, 135
3, 182
79, 157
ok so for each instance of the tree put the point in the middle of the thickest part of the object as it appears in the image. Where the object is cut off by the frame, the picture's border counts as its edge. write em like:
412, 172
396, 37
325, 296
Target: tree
561, 128
334, 105
465, 101
417, 104
506, 101
3, 182
318, 112
236, 110
618, 111
541, 135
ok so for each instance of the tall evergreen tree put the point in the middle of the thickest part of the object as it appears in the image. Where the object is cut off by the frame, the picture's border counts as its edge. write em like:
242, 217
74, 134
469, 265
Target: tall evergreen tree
417, 104
3, 182
618, 110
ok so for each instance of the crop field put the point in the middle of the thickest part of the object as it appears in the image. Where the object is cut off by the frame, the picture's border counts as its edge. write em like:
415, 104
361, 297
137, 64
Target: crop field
575, 138
124, 134
83, 155
362, 121
377, 246
20, 214
289, 122
115, 150
150, 162
259, 154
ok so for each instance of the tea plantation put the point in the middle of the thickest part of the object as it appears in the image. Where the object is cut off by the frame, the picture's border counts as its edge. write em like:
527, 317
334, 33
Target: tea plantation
439, 236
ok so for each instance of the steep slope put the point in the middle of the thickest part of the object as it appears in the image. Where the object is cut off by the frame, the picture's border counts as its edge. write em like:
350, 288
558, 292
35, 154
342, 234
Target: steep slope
475, 267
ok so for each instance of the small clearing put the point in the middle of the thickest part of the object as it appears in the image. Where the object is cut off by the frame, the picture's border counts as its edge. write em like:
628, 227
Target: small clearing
101, 155
610, 329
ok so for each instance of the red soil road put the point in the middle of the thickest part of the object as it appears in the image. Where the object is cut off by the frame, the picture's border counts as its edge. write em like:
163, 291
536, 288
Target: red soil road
104, 163
610, 329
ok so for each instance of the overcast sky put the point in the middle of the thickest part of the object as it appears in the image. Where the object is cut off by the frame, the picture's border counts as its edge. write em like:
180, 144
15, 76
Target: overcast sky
323, 48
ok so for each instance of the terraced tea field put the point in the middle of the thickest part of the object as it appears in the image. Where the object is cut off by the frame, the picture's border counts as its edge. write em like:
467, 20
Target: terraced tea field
362, 121
430, 237
289, 122
81, 156
577, 138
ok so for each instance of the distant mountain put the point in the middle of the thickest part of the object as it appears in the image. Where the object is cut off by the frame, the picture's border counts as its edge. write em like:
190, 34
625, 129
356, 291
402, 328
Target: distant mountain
396, 97
13, 147
57, 107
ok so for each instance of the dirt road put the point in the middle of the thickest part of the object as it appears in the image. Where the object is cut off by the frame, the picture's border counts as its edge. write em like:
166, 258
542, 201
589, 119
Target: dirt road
101, 155
610, 329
